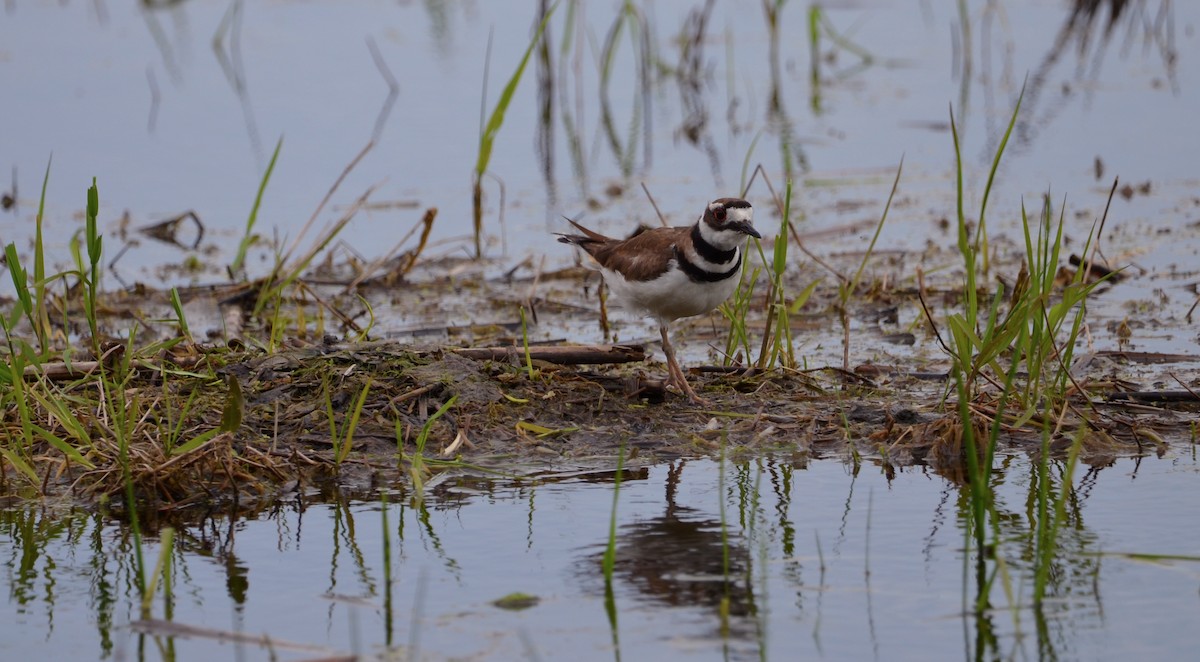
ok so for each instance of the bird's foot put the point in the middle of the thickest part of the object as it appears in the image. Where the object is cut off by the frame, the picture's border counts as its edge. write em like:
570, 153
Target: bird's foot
679, 381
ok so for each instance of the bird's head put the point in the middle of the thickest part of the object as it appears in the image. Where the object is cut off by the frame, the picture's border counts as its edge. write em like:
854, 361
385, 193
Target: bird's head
727, 222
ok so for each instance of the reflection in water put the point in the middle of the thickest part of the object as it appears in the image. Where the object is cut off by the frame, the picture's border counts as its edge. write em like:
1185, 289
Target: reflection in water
1003, 572
709, 557
572, 51
684, 558
1088, 30
150, 13
634, 21
439, 24
545, 106
778, 120
235, 71
692, 75
393, 90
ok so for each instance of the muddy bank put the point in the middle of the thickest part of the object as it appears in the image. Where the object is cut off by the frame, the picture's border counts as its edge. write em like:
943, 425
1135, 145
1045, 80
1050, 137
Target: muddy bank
196, 439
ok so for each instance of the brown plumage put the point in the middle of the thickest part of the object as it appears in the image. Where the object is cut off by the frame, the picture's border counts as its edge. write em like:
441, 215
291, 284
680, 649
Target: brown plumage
644, 256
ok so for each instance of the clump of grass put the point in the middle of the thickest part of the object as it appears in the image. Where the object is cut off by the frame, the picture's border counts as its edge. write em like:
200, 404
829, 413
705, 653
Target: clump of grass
777, 335
735, 310
1044, 310
92, 418
1025, 328
140, 421
418, 464
989, 340
342, 436
776, 347
30, 304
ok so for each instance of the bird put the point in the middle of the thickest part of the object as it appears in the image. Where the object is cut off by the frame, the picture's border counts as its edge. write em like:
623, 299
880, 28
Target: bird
672, 272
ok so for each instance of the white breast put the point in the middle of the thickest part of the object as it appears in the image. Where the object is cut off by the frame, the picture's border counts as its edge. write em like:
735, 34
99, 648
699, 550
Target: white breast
670, 296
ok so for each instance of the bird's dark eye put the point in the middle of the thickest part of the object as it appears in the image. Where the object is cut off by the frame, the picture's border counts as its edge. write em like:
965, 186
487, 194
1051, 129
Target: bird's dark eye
719, 214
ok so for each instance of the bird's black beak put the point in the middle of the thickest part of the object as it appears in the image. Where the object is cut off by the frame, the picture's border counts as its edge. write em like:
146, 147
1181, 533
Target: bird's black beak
744, 228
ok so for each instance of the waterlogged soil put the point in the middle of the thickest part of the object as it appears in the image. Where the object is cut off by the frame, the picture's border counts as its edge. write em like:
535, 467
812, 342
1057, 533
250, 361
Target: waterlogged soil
474, 404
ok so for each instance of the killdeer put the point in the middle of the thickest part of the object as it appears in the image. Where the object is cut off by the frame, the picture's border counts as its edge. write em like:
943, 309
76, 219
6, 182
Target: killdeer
669, 273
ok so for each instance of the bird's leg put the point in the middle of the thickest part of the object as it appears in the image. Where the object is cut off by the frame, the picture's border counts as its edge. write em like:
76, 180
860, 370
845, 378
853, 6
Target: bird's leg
675, 373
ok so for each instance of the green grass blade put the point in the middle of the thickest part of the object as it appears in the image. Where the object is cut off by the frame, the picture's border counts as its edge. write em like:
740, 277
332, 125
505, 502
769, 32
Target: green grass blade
488, 137
21, 466
20, 279
231, 415
981, 231
351, 425
57, 408
194, 443
177, 306
62, 446
964, 245
423, 437
240, 261
95, 245
42, 327
803, 297
878, 230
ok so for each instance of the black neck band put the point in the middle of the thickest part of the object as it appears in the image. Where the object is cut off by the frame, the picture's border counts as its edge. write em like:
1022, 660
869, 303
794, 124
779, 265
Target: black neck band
707, 250
698, 275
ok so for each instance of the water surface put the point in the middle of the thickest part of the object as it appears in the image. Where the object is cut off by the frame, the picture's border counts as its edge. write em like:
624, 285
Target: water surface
178, 106
823, 561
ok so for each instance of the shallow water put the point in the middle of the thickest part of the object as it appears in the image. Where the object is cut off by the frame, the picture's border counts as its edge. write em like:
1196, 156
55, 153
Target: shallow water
178, 108
823, 561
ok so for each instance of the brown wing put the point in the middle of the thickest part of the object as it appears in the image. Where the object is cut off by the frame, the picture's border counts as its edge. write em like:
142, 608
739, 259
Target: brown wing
644, 256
